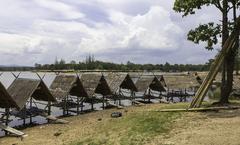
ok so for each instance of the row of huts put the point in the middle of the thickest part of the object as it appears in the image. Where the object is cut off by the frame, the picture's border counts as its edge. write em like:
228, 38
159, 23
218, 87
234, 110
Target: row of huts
70, 92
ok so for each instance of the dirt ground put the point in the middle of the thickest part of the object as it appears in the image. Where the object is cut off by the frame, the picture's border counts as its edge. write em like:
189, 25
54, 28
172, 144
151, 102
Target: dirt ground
212, 128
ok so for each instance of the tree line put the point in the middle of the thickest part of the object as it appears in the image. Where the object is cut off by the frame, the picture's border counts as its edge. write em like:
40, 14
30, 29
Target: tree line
91, 64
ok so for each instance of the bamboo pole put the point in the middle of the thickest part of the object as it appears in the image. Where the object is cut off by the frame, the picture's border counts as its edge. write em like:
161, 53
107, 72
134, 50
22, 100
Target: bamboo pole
200, 94
199, 109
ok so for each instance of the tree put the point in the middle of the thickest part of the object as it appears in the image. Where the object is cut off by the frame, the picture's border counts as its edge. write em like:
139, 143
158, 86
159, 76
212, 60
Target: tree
210, 33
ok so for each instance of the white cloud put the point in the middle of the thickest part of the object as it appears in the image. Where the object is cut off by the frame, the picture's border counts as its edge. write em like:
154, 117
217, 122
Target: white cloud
67, 11
129, 30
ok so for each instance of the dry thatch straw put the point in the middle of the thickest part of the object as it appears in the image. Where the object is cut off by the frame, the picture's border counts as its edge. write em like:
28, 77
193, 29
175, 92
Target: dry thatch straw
63, 85
151, 82
23, 89
120, 80
95, 84
6, 100
183, 81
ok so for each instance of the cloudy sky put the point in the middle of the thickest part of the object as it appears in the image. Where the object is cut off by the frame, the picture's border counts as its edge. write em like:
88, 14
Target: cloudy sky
142, 31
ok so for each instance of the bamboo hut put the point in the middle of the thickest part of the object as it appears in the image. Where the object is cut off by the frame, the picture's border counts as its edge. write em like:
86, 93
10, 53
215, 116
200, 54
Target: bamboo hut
95, 85
181, 86
149, 84
26, 93
119, 81
63, 88
7, 102
122, 87
162, 80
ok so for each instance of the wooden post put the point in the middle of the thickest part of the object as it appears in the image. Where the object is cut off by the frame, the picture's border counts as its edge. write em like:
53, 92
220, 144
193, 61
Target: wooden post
78, 105
82, 106
7, 118
103, 102
24, 118
49, 109
149, 94
160, 94
64, 107
167, 94
120, 102
132, 97
31, 99
67, 105
92, 104
185, 98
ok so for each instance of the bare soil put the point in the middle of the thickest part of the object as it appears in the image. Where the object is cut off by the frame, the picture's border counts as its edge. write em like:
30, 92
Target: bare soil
209, 128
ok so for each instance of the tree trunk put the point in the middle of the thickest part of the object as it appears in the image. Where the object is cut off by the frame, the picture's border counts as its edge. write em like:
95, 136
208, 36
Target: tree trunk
225, 35
230, 61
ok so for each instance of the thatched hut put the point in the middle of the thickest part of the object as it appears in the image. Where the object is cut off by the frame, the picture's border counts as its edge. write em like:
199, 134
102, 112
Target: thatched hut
148, 84
6, 100
119, 81
25, 91
162, 80
66, 86
181, 82
95, 84
181, 86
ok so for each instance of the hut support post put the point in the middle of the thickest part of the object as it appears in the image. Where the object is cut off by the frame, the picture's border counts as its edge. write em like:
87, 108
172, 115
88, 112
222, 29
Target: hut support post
67, 105
103, 102
149, 94
64, 107
31, 100
167, 94
78, 103
92, 104
120, 103
7, 118
132, 97
172, 95
49, 109
185, 98
82, 106
24, 117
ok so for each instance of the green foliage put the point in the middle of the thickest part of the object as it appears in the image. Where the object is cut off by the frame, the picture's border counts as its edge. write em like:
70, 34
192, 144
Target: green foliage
189, 6
206, 33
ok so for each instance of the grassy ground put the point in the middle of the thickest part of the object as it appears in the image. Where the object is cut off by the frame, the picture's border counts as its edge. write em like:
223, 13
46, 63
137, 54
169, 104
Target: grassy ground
136, 128
140, 126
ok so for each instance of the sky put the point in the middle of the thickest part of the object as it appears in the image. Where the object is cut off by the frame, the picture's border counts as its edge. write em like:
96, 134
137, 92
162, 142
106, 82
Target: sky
140, 31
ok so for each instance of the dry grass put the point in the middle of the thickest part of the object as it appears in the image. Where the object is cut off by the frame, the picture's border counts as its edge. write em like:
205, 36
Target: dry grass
139, 125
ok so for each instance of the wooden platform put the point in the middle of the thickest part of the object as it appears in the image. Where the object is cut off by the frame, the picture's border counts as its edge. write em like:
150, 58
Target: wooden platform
12, 130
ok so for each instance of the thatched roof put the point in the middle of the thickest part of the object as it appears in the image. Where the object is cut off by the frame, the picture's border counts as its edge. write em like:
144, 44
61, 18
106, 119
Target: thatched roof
120, 80
162, 80
6, 101
203, 75
95, 83
152, 82
181, 81
23, 89
63, 85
